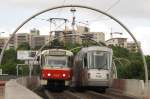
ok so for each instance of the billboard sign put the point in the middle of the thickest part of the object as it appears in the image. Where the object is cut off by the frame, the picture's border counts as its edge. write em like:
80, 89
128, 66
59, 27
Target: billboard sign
26, 54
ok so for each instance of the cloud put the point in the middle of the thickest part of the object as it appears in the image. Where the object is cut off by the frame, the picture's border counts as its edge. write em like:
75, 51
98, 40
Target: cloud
142, 35
125, 8
132, 8
135, 14
28, 4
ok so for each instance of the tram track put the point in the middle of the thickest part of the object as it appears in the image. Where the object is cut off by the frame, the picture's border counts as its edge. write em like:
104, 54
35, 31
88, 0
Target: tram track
94, 95
77, 95
88, 94
61, 95
100, 95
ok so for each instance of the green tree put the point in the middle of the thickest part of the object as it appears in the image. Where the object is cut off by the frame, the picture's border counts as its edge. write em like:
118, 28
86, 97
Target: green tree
74, 47
88, 42
57, 44
9, 56
133, 70
10, 61
120, 52
9, 68
24, 46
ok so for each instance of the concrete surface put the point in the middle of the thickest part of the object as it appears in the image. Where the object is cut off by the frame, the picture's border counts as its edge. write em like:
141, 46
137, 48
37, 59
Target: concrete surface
132, 87
149, 87
2, 92
13, 90
29, 82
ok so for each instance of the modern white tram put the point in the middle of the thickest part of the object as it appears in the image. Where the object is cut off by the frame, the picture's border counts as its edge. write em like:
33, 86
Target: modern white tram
93, 67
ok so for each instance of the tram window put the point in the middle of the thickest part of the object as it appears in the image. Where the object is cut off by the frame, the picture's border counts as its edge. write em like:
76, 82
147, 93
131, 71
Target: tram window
56, 61
42, 60
70, 61
97, 59
85, 61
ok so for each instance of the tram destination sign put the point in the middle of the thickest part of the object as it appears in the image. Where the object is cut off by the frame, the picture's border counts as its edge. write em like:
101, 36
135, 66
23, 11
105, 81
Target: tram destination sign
59, 53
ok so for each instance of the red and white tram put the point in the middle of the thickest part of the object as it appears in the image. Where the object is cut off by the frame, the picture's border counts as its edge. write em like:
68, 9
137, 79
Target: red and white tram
56, 67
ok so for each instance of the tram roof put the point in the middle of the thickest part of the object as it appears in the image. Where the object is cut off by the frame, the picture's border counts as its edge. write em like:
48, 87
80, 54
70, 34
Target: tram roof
95, 48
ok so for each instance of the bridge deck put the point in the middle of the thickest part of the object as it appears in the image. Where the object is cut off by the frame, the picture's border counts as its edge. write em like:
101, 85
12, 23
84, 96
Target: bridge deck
2, 92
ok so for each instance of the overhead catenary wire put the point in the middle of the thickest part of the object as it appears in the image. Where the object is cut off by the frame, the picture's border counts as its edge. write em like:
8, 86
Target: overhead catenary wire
59, 12
108, 9
112, 6
59, 26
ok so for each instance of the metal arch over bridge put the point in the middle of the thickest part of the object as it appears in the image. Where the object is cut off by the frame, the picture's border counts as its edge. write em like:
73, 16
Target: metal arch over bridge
86, 7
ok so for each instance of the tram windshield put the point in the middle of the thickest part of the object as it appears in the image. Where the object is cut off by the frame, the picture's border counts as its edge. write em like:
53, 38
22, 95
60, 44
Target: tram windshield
97, 60
56, 61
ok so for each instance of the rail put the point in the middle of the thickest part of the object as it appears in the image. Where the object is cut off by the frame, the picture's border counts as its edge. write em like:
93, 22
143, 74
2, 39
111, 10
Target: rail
61, 95
7, 77
85, 95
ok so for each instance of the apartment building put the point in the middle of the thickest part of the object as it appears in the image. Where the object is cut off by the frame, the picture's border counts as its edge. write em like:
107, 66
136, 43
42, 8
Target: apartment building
2, 42
38, 41
122, 42
21, 38
131, 46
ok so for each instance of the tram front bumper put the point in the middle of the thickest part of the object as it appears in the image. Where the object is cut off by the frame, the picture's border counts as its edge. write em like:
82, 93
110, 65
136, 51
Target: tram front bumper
98, 83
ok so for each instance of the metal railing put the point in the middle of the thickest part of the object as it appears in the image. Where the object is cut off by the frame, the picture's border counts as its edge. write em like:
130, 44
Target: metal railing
7, 77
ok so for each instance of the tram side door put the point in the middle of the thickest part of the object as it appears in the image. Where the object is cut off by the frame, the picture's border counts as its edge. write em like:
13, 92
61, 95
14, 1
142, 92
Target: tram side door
85, 71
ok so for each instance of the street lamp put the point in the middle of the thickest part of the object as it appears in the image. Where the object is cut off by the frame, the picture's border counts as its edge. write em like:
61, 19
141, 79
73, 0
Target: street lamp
111, 34
2, 32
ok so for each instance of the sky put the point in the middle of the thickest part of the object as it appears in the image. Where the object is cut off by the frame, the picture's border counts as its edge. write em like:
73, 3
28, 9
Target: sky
135, 14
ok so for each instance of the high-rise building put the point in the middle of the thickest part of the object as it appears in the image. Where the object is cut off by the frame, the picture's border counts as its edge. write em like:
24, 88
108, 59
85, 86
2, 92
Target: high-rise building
80, 31
34, 32
12, 41
68, 37
38, 41
65, 36
59, 35
97, 36
18, 39
21, 38
75, 36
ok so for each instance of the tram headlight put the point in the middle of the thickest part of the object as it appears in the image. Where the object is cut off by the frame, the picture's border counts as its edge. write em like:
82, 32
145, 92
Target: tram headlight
64, 75
48, 74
